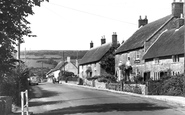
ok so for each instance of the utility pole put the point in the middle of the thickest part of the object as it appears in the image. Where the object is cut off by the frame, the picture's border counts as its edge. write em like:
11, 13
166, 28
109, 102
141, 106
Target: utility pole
184, 35
64, 60
184, 47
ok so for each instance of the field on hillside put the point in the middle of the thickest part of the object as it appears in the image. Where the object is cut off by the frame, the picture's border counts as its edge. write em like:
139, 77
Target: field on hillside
35, 64
74, 54
35, 58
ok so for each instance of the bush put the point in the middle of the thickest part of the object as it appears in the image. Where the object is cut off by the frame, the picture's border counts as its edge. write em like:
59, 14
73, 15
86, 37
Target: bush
93, 78
138, 79
12, 84
170, 85
106, 78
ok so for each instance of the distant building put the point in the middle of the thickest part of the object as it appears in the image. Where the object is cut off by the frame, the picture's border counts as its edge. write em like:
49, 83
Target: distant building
68, 66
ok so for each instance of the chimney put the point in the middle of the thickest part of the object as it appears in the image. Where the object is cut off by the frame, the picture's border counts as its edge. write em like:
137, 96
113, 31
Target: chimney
103, 40
177, 8
142, 22
114, 39
76, 63
180, 21
91, 45
68, 59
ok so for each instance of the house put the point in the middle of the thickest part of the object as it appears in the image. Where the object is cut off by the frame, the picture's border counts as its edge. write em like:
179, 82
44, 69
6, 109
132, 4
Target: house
166, 55
146, 35
55, 72
68, 66
89, 65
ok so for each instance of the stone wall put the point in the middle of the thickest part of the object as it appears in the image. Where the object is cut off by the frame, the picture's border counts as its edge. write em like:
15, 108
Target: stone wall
101, 85
134, 88
164, 65
136, 63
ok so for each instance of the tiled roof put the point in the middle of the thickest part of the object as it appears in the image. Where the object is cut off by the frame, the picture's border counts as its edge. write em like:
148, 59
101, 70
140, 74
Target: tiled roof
142, 34
171, 42
95, 54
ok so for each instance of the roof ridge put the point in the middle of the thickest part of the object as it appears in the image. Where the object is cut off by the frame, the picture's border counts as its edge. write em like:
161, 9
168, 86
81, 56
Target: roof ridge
160, 28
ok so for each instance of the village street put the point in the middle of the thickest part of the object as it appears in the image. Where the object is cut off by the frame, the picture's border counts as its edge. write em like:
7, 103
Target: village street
62, 99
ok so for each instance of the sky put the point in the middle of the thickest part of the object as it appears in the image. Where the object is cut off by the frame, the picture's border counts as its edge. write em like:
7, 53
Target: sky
73, 24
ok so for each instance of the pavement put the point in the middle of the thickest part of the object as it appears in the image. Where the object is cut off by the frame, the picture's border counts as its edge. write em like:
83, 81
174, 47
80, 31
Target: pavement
177, 100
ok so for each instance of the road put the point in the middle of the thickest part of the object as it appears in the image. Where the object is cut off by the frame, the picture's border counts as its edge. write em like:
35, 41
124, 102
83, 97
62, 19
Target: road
62, 99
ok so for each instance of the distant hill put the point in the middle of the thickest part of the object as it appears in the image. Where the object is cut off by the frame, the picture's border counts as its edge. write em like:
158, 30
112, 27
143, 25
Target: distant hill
74, 54
34, 58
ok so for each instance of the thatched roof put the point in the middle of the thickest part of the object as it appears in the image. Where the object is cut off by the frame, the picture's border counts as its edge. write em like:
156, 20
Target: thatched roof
142, 34
95, 54
170, 42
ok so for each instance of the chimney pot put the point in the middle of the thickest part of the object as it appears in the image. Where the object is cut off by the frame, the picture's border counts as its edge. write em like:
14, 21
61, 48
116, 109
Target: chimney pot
91, 45
142, 22
177, 8
103, 40
140, 17
114, 39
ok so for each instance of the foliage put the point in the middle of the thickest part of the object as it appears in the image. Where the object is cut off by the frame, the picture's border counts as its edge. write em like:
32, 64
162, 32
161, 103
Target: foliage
13, 83
48, 61
108, 61
106, 78
170, 85
13, 26
41, 72
138, 79
93, 78
67, 75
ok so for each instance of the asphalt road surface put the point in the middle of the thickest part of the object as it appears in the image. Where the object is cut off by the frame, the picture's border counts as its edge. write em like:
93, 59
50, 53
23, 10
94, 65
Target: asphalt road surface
62, 99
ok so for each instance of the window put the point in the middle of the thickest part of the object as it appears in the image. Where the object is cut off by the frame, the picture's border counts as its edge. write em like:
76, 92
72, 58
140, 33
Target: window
156, 60
175, 58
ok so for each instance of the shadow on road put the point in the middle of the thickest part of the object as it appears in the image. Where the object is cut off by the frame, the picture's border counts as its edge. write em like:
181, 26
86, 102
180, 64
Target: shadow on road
37, 92
98, 108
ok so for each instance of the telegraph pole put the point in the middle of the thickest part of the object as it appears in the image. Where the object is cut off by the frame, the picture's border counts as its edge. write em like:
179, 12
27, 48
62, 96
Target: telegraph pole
184, 47
184, 35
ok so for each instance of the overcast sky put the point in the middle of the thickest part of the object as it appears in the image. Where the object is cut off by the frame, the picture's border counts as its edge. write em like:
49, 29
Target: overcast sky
73, 24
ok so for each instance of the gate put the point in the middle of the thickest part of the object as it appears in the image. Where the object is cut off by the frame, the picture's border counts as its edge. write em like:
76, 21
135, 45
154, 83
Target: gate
24, 103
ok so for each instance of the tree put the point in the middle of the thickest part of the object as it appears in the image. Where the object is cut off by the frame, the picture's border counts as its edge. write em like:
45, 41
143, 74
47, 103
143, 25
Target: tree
13, 26
108, 61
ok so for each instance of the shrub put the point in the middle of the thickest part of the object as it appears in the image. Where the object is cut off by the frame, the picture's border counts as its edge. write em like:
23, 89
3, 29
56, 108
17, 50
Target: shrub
12, 84
170, 85
138, 79
92, 78
106, 78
